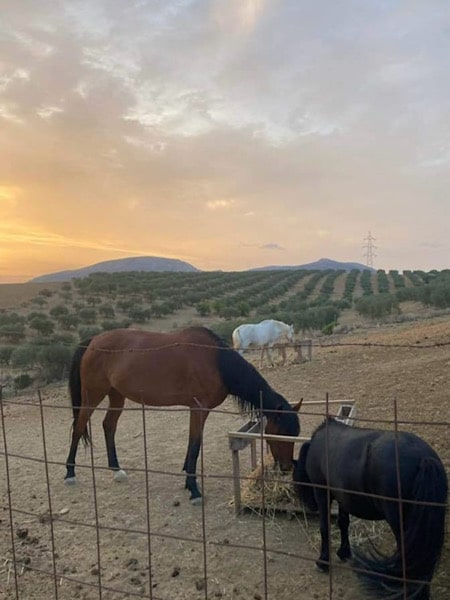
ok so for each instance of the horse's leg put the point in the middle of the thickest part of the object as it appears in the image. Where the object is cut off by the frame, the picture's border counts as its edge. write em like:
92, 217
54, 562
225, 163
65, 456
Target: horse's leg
323, 505
79, 429
196, 424
261, 357
282, 350
266, 350
344, 551
116, 402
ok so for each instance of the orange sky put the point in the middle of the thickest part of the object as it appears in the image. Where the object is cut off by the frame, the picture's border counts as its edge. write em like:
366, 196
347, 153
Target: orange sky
230, 134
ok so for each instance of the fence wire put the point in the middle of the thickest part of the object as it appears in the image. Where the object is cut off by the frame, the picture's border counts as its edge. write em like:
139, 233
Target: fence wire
58, 583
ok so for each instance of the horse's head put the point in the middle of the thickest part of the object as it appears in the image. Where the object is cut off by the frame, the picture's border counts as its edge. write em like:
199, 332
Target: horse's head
290, 333
282, 452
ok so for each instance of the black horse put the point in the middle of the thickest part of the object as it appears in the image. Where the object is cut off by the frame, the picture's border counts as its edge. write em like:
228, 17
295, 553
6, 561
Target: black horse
354, 462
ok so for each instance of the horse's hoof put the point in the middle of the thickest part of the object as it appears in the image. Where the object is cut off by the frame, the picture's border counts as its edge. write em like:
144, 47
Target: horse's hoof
120, 476
197, 501
321, 566
70, 481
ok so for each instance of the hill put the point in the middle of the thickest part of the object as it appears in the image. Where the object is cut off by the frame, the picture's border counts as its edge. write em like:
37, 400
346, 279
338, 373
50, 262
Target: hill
321, 265
136, 263
160, 264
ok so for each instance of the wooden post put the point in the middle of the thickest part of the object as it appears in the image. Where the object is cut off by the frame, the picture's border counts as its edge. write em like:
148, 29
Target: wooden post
253, 454
309, 347
236, 482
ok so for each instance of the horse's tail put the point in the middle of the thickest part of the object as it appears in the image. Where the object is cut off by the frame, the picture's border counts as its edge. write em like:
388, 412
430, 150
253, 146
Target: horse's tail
75, 386
236, 339
300, 477
422, 540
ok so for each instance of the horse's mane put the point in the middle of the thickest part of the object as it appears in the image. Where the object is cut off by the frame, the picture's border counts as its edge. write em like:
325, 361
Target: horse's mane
328, 419
205, 330
338, 423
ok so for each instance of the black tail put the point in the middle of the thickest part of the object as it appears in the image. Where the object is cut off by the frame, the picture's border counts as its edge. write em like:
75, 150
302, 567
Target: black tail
250, 388
75, 386
423, 539
300, 476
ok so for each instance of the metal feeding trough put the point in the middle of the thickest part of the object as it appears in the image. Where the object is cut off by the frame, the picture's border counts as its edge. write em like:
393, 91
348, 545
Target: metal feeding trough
253, 431
346, 413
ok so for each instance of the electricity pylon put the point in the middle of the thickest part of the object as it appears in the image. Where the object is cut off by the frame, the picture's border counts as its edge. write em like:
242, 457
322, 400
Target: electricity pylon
369, 249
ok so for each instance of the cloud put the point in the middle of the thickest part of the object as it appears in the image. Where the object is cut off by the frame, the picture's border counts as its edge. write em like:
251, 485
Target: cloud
163, 126
272, 246
219, 204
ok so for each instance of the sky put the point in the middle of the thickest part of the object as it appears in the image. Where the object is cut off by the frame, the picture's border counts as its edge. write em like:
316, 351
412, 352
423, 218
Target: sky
230, 134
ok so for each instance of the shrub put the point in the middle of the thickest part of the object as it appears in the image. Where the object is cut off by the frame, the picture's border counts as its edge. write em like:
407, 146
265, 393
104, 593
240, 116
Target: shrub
55, 361
5, 354
42, 325
22, 381
328, 329
63, 338
88, 332
58, 311
139, 315
24, 357
46, 293
12, 333
203, 309
108, 325
70, 321
88, 315
377, 306
107, 311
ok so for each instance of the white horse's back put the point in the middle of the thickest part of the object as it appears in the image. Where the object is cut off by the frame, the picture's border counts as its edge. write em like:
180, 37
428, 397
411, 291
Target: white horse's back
264, 334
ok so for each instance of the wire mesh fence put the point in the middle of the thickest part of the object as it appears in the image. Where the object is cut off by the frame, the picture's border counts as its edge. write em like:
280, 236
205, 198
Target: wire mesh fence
143, 537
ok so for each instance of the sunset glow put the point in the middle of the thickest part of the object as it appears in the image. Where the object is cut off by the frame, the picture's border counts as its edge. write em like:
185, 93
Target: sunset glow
230, 134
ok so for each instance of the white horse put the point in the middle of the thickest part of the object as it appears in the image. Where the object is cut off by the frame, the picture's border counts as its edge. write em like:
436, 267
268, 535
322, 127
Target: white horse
265, 335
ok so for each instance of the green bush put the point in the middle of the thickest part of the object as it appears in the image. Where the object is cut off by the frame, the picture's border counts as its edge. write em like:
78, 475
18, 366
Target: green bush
328, 329
88, 315
5, 354
108, 325
106, 311
377, 306
22, 381
58, 311
43, 326
203, 309
24, 357
70, 321
54, 361
88, 332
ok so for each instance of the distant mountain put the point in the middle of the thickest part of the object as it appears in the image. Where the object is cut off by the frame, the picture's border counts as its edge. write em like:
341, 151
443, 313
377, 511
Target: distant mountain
137, 263
321, 265
158, 263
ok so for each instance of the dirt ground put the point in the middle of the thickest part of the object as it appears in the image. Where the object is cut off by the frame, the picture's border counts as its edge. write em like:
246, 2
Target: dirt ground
375, 376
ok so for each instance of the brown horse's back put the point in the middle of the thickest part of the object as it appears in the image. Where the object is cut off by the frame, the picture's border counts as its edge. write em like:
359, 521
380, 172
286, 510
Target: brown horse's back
160, 369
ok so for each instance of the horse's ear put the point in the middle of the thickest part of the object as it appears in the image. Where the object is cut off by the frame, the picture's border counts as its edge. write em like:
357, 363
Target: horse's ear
297, 406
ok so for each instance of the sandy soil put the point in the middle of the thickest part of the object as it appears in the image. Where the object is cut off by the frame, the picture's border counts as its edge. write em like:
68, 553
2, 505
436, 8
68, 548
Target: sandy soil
375, 376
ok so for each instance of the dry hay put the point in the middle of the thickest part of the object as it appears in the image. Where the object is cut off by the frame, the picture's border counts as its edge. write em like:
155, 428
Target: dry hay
279, 497
267, 488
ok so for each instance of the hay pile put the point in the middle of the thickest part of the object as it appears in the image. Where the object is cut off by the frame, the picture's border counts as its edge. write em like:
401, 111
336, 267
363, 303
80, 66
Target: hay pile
269, 489
279, 496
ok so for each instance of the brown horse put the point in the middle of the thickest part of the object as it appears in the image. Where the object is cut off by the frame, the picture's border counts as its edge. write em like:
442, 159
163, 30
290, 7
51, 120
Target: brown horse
282, 452
192, 367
